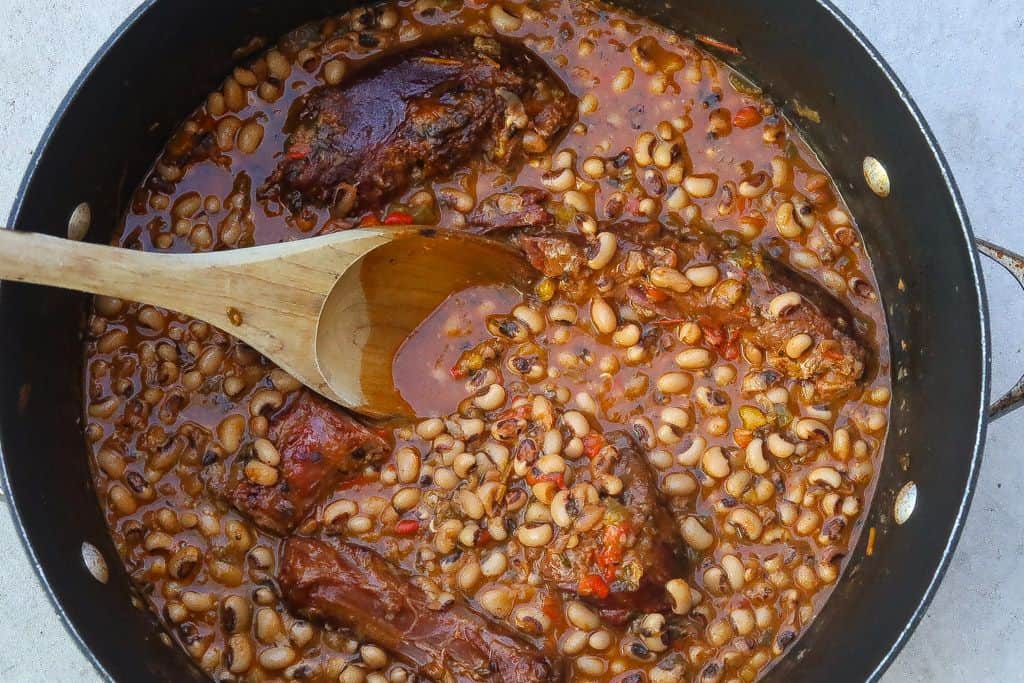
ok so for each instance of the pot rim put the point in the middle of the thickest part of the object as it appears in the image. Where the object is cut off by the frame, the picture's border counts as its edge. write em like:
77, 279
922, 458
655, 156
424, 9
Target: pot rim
986, 343
889, 656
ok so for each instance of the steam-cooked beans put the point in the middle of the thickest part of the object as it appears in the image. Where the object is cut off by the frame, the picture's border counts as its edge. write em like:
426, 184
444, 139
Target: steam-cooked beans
502, 471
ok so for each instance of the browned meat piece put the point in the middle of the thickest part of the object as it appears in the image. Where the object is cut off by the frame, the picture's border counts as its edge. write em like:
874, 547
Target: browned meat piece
623, 564
354, 587
318, 444
555, 255
416, 115
835, 361
522, 207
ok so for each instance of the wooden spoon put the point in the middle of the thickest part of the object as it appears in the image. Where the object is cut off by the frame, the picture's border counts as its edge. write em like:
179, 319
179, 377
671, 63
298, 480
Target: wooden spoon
331, 310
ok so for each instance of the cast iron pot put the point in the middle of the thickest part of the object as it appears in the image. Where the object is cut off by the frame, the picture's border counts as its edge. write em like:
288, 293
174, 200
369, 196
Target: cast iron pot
170, 53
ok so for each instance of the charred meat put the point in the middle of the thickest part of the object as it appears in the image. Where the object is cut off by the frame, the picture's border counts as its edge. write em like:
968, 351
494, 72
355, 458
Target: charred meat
352, 586
416, 115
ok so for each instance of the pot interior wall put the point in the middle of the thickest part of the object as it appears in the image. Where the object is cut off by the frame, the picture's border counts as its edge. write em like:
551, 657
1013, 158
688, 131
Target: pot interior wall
176, 52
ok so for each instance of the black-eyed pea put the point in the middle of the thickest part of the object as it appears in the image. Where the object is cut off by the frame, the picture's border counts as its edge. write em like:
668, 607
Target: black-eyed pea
490, 398
626, 336
875, 420
581, 616
277, 658
807, 523
690, 456
264, 401
702, 276
743, 621
670, 278
660, 458
600, 640
745, 523
559, 180
755, 185
788, 512
122, 500
783, 304
623, 80
734, 570
469, 575
680, 594
825, 476
695, 535
359, 524
701, 185
405, 499
531, 620
694, 359
266, 452
779, 447
719, 632
352, 673
495, 564
809, 429
260, 473
498, 600
798, 345
827, 572
529, 317
755, 458
407, 464
795, 491
334, 71
763, 491
850, 506
239, 654
578, 200
785, 221
715, 463
738, 483
679, 484
672, 383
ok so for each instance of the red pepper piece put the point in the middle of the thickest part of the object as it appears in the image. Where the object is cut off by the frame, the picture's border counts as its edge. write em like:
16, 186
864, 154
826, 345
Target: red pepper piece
407, 527
398, 218
592, 444
653, 294
557, 477
299, 150
612, 550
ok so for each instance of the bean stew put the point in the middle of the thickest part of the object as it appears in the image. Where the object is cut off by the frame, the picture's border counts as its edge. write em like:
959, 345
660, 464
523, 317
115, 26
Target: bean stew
651, 465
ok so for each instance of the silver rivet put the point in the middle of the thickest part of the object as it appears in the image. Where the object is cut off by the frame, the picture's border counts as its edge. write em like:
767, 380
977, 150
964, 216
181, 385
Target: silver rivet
876, 176
95, 562
906, 501
78, 224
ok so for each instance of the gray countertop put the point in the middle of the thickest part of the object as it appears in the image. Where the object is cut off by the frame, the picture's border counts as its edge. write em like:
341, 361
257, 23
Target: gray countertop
963, 62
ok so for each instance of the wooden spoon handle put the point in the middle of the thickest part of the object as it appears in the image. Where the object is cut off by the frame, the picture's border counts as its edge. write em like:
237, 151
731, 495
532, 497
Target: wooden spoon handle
45, 260
268, 296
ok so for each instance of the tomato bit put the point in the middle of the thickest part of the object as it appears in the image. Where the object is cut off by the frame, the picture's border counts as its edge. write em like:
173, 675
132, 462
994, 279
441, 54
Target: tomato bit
407, 527
398, 218
747, 117
593, 585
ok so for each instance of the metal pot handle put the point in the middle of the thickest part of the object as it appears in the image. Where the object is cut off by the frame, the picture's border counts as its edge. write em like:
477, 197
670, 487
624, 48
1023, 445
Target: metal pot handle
1014, 264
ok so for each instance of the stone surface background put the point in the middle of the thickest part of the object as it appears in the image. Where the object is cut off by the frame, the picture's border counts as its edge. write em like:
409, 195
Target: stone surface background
963, 62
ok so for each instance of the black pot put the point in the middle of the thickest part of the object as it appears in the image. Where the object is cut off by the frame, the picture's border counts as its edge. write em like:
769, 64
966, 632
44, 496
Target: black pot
170, 53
